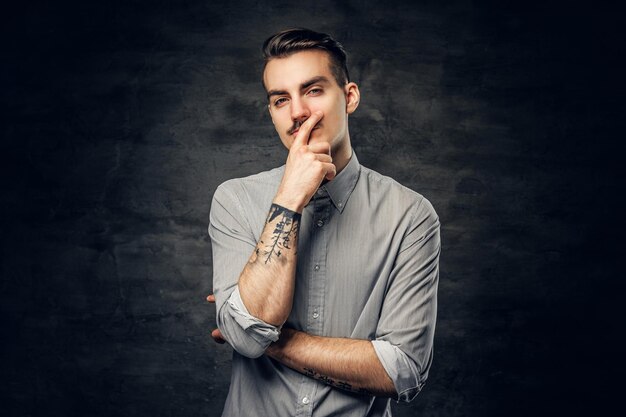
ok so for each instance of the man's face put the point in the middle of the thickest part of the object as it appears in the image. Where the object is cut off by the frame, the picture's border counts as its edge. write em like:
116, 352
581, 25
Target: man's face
298, 86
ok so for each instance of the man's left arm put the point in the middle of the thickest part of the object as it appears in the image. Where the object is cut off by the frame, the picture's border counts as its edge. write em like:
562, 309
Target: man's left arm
349, 364
396, 364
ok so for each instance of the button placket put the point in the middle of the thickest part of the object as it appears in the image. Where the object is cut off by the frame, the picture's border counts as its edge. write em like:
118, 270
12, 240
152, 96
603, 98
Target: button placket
314, 273
321, 216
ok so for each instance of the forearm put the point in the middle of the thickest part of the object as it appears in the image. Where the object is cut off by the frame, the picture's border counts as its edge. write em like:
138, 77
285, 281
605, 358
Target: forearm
266, 284
350, 364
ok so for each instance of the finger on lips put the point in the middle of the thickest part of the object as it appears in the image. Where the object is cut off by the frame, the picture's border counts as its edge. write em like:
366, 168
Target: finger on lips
303, 133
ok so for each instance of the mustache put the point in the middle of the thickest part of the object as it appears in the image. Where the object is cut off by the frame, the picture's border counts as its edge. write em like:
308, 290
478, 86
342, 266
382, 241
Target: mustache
296, 125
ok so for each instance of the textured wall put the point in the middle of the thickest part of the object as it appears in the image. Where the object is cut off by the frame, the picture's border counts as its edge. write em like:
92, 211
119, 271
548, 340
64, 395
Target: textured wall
122, 119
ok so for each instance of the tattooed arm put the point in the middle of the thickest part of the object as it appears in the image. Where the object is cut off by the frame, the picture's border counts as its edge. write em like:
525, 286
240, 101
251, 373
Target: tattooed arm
267, 282
349, 364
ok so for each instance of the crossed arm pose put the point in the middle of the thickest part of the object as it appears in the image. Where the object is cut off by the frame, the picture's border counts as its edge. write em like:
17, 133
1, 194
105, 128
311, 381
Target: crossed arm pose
266, 284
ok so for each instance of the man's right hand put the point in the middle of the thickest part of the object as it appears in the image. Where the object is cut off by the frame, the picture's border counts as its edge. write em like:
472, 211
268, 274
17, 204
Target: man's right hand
307, 165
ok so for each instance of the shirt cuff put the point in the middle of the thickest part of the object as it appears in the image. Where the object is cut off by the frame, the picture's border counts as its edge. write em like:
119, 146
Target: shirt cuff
400, 368
259, 330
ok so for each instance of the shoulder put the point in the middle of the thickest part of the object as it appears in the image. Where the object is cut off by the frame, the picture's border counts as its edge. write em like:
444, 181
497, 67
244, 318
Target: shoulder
250, 186
401, 197
246, 199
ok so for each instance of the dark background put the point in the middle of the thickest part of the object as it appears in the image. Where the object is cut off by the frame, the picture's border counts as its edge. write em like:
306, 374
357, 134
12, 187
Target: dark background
121, 118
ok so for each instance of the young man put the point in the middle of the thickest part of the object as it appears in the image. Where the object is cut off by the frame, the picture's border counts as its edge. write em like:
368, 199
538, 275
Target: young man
325, 272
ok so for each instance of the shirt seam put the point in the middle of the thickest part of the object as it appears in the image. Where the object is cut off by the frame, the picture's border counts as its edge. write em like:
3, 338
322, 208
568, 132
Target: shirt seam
413, 216
235, 199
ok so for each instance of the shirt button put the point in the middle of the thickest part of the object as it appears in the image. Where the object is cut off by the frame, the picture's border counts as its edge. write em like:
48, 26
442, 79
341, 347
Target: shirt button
306, 400
320, 191
316, 267
320, 223
339, 204
316, 315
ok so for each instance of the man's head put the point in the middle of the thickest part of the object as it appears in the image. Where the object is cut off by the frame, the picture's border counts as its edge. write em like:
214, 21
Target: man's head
304, 72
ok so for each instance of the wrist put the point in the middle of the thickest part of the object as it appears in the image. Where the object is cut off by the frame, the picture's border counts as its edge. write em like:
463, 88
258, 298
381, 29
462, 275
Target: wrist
277, 350
289, 201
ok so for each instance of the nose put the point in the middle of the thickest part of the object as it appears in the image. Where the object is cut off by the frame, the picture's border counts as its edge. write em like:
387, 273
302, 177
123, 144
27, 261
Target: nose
299, 111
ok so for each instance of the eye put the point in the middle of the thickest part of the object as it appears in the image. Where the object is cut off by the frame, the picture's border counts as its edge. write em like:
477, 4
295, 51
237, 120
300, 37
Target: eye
280, 101
315, 91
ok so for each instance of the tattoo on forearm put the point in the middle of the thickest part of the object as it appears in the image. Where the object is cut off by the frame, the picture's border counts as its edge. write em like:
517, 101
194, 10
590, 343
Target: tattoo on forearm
285, 233
338, 384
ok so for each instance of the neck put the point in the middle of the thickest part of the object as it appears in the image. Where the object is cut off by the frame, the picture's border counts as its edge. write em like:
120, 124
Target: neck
341, 156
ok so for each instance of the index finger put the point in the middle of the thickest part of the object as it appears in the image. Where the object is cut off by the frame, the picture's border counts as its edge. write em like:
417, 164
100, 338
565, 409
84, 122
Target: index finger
302, 138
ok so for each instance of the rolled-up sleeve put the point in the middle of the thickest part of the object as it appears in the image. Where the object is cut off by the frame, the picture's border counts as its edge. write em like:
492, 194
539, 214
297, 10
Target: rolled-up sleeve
406, 329
400, 368
232, 243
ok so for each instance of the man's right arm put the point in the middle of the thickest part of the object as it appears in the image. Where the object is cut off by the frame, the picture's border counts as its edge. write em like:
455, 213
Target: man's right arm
250, 330
252, 305
267, 282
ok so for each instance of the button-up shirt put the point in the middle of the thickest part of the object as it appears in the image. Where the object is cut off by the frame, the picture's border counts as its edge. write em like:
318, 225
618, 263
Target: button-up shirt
367, 268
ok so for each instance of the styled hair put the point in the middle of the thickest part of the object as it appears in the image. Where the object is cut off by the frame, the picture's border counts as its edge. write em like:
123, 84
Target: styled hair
290, 41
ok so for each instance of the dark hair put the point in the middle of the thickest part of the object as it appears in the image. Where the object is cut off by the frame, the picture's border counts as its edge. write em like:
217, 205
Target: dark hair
290, 41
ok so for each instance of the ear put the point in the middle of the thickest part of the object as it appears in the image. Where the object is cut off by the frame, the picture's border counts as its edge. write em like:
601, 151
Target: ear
353, 97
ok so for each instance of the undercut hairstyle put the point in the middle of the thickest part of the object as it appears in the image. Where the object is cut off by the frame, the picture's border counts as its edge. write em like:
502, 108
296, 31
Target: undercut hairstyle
289, 41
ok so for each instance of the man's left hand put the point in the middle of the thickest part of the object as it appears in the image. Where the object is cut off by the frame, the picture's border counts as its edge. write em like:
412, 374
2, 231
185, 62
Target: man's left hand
215, 334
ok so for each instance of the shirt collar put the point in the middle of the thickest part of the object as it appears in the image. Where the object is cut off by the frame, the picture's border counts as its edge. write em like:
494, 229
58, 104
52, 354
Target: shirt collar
340, 188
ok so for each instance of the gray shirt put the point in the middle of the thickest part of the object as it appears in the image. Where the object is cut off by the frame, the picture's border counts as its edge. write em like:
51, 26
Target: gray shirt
367, 268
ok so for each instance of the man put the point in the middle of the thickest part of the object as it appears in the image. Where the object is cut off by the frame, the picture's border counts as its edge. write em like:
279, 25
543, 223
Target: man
325, 272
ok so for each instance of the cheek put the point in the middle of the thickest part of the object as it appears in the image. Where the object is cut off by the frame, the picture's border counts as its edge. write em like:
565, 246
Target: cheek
337, 118
286, 141
281, 125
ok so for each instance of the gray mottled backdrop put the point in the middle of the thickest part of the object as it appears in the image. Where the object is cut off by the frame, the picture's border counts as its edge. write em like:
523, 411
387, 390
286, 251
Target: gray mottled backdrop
121, 118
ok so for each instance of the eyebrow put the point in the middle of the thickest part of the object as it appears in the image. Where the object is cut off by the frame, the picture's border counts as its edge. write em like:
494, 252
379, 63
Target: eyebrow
306, 84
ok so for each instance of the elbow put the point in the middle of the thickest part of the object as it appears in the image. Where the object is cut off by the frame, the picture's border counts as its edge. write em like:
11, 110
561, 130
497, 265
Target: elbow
405, 395
243, 344
244, 341
404, 379
409, 394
